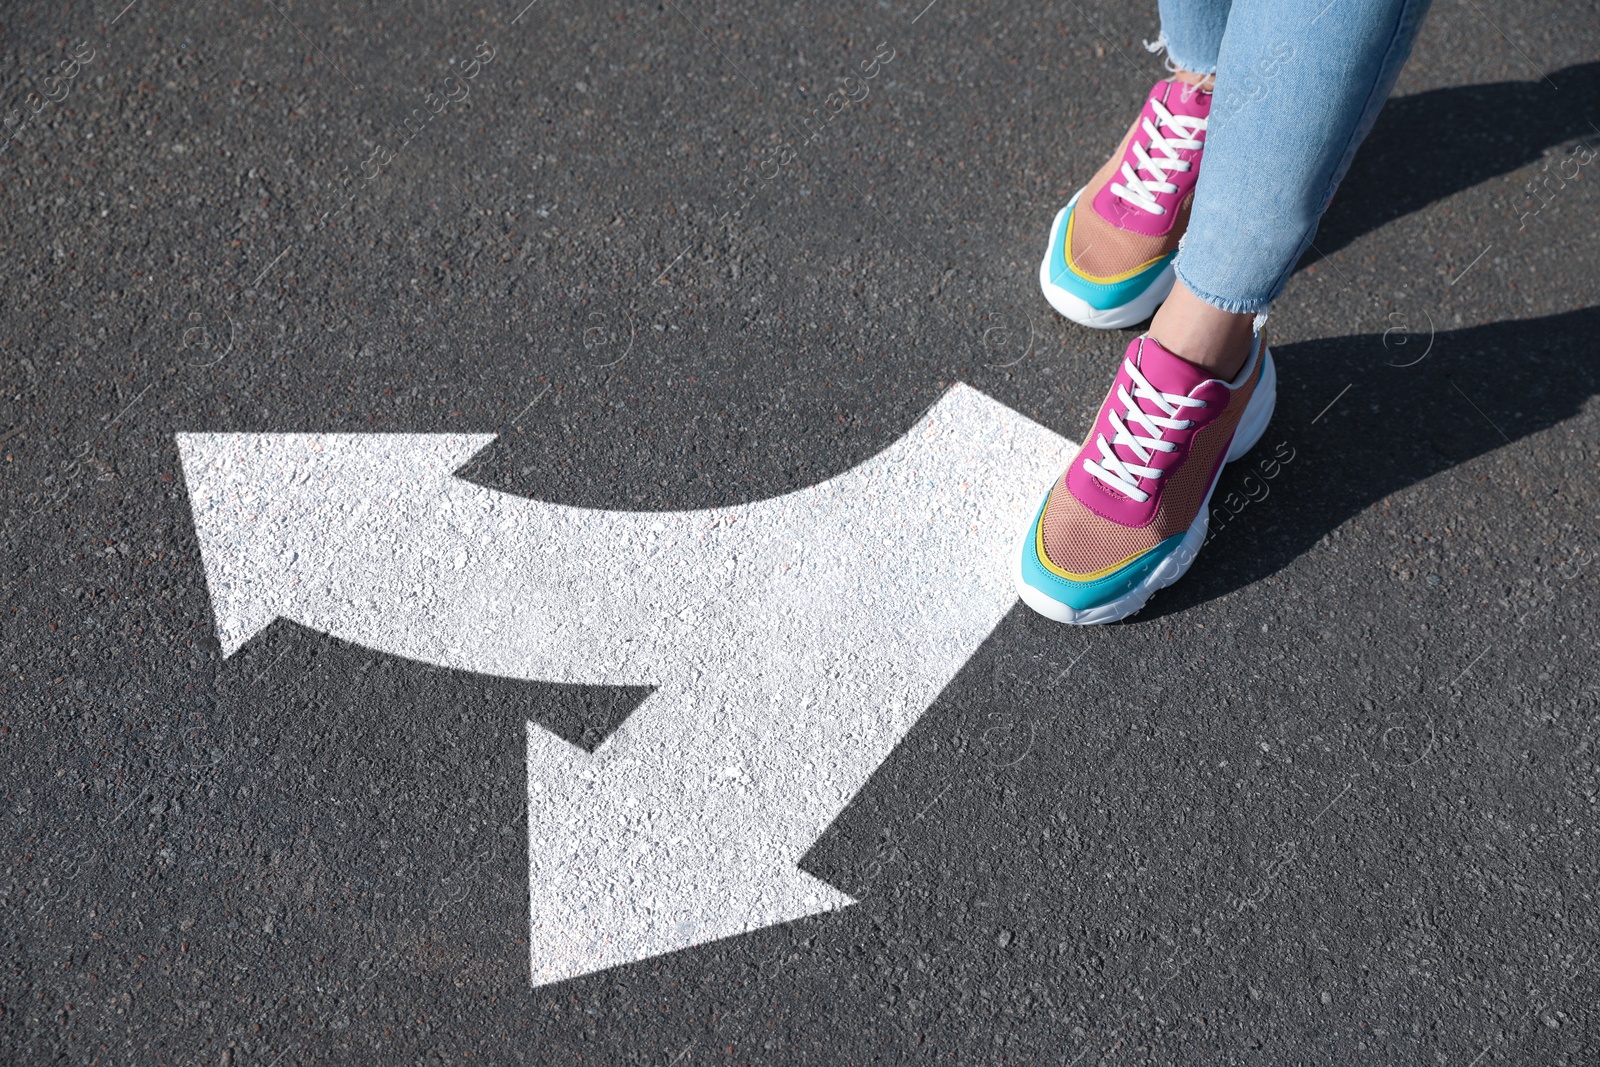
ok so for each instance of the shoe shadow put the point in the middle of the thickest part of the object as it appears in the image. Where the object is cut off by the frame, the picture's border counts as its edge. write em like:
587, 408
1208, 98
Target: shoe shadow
1475, 391
1404, 165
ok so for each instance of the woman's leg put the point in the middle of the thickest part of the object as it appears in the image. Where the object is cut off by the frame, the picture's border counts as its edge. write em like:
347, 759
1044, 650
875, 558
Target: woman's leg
1298, 87
1298, 84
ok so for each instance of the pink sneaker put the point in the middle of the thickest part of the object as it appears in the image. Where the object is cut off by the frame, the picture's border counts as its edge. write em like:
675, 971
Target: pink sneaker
1109, 263
1131, 510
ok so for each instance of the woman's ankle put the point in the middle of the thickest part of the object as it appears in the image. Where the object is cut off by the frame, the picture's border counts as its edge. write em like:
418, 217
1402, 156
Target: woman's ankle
1204, 82
1206, 336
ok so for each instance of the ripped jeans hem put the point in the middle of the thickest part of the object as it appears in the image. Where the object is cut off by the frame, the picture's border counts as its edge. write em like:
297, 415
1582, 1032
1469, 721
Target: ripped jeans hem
1175, 62
1258, 307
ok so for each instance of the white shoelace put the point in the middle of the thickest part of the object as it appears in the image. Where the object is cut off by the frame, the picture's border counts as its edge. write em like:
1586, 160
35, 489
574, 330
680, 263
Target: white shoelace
1124, 477
1141, 193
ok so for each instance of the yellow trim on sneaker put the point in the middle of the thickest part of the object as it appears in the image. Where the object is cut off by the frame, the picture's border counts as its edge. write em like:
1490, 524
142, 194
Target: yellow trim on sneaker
1110, 279
1092, 576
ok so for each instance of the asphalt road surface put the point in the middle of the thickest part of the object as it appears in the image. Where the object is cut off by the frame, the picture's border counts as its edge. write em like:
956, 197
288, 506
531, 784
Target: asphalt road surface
1330, 799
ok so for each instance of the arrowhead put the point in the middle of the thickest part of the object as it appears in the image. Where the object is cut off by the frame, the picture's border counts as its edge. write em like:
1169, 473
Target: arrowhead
262, 501
619, 872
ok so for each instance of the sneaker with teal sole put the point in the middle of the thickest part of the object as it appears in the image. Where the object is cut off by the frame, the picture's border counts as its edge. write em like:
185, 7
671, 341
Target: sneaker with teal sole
1131, 510
1109, 263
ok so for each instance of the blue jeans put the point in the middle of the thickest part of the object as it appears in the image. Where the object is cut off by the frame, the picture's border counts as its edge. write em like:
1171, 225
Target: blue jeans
1299, 83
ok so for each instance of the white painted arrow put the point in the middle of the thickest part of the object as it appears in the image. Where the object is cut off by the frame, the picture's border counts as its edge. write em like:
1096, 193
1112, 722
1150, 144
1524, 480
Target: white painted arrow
792, 642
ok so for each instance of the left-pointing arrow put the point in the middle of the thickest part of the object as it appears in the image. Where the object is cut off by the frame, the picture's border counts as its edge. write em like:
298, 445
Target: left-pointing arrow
792, 642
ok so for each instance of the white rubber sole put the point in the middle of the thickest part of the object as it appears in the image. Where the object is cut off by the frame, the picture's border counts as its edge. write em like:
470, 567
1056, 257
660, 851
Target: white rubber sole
1078, 310
1252, 424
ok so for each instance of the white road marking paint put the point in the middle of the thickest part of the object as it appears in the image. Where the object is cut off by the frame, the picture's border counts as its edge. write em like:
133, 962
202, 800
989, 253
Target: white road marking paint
792, 642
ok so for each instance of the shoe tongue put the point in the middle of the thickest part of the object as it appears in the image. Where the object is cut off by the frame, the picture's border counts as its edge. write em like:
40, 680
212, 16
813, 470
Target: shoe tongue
1165, 371
1182, 99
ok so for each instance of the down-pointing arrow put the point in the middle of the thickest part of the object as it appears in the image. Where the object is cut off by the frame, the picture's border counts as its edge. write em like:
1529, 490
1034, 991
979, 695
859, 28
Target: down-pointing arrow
791, 642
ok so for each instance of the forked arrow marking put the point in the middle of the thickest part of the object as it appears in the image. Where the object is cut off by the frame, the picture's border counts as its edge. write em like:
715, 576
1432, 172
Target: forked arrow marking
792, 642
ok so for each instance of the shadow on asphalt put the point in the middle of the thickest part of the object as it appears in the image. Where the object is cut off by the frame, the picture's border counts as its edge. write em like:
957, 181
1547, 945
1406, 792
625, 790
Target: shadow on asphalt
1396, 426
1409, 161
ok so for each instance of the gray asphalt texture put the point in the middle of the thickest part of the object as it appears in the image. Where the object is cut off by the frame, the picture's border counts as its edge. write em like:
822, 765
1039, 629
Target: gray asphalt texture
1330, 799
